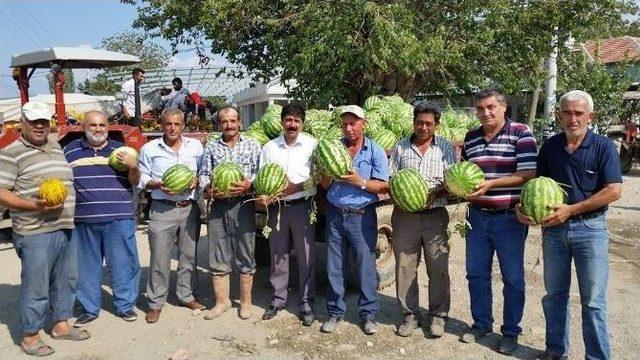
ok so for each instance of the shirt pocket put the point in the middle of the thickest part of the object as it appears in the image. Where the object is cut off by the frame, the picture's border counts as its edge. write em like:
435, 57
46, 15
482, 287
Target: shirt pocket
588, 179
364, 167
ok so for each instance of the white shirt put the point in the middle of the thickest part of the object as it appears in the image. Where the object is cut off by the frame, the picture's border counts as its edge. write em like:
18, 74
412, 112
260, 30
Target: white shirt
156, 157
130, 103
295, 159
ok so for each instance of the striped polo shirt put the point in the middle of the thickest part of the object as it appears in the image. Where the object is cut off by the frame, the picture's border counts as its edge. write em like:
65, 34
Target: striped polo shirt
512, 149
102, 193
23, 167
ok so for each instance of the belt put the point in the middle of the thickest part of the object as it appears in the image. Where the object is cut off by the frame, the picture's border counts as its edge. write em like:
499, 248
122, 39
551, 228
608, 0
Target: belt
294, 201
587, 216
179, 204
493, 211
350, 211
430, 210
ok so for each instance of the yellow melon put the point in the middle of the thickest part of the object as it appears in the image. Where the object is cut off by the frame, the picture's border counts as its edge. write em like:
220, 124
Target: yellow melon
53, 191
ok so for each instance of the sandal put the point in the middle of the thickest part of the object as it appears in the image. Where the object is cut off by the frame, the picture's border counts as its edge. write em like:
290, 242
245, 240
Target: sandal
38, 349
74, 334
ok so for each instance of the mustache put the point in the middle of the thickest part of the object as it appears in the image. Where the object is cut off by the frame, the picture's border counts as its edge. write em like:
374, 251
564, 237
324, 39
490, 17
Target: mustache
291, 128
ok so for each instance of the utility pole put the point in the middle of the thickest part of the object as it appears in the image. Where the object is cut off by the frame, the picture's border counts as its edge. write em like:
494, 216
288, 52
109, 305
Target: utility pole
552, 79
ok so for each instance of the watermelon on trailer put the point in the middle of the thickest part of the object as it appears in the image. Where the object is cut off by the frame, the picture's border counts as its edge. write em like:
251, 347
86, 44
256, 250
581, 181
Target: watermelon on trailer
537, 197
270, 180
332, 133
462, 177
409, 190
226, 174
271, 124
258, 135
371, 102
385, 138
178, 178
115, 163
332, 158
213, 136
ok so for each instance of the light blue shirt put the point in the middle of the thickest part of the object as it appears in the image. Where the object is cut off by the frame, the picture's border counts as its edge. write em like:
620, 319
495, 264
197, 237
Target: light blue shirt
156, 157
371, 163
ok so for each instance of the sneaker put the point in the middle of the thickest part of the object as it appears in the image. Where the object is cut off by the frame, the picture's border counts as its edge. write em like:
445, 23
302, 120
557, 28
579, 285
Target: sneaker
83, 320
129, 316
549, 356
370, 327
330, 325
508, 344
406, 328
307, 318
474, 334
436, 328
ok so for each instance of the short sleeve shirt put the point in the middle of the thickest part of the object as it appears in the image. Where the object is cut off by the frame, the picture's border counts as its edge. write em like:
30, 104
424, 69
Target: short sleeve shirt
371, 163
587, 170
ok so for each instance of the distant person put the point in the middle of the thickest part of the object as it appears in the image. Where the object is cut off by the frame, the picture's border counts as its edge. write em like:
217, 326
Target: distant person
41, 232
131, 106
179, 94
576, 232
104, 221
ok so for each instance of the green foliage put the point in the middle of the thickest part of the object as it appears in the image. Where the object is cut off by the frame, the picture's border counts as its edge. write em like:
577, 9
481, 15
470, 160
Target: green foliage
69, 82
343, 51
605, 85
152, 56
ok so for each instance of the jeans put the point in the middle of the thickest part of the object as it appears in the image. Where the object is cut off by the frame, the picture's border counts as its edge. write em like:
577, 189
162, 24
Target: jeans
587, 243
503, 234
357, 233
115, 242
49, 276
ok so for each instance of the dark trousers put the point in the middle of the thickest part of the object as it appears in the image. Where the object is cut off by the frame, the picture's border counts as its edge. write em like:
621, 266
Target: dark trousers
294, 227
349, 231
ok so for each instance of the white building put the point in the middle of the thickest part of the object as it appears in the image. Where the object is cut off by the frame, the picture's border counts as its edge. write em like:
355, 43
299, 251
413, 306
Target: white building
253, 101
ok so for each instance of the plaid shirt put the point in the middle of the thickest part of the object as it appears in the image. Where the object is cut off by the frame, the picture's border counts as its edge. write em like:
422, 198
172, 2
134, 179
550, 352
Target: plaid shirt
245, 153
439, 157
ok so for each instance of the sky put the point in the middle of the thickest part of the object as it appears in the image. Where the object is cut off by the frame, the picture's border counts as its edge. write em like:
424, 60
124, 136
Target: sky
30, 25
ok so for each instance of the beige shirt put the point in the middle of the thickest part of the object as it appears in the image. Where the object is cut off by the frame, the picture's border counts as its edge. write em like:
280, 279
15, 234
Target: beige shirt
23, 167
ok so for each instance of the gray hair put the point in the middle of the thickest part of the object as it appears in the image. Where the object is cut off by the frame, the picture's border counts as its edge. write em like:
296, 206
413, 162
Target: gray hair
92, 112
577, 95
172, 111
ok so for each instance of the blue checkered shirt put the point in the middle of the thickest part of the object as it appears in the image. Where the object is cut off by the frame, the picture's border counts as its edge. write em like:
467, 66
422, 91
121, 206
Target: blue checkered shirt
245, 153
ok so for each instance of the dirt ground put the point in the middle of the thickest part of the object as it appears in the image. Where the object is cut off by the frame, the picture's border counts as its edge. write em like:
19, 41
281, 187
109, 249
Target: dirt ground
180, 334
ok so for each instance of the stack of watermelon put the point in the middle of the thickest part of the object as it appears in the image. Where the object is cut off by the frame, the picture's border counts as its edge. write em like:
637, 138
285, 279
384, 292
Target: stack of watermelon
454, 125
270, 122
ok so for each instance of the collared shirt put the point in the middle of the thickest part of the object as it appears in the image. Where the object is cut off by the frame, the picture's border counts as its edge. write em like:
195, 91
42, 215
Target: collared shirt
245, 153
295, 159
102, 193
23, 167
591, 166
371, 163
438, 157
156, 157
512, 149
130, 102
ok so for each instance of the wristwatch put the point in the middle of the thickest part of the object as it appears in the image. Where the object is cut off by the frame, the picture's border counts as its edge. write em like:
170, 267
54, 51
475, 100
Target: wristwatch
363, 185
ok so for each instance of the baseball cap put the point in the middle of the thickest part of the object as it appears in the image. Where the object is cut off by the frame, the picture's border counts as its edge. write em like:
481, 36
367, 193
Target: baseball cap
353, 109
36, 110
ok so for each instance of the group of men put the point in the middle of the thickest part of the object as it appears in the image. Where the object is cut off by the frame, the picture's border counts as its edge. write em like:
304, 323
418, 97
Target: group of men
65, 244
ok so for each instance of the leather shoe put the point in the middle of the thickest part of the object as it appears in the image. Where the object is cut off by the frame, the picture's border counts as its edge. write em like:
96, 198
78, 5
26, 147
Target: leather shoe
153, 316
193, 305
271, 312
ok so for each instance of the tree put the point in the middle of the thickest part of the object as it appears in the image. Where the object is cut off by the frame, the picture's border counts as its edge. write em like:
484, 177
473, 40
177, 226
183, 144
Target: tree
152, 56
69, 82
346, 50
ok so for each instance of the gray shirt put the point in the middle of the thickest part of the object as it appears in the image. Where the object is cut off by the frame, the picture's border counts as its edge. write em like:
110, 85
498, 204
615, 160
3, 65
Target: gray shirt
439, 157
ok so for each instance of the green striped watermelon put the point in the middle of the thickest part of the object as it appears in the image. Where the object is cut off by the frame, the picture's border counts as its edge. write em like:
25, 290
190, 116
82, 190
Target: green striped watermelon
332, 133
226, 174
538, 195
178, 178
332, 158
271, 124
270, 180
409, 190
258, 135
461, 178
371, 102
213, 136
115, 163
385, 138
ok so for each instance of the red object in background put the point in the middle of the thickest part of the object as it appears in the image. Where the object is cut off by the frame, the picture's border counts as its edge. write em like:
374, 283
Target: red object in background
196, 99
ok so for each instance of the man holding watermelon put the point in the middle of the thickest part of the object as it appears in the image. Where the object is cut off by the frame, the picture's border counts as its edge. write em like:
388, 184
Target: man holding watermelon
292, 150
352, 221
41, 230
231, 224
174, 216
506, 153
104, 219
588, 163
425, 229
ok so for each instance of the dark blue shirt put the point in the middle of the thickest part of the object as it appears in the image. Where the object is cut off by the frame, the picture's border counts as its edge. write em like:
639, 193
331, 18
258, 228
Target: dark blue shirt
590, 167
102, 193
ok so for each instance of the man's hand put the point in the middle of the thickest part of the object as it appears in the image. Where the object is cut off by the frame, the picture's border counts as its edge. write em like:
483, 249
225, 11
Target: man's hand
155, 184
127, 159
431, 198
266, 200
525, 219
480, 189
560, 215
352, 178
290, 189
42, 206
239, 188
194, 183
